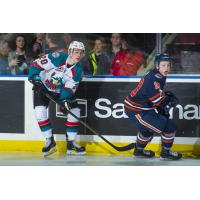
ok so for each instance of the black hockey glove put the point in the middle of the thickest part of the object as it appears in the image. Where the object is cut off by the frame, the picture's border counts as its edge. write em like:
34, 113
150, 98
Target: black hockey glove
169, 101
38, 86
65, 105
164, 110
68, 104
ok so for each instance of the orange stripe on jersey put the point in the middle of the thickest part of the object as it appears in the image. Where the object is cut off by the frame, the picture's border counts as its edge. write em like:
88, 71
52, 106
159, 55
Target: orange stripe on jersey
135, 91
132, 102
155, 96
131, 108
147, 124
168, 135
167, 141
157, 104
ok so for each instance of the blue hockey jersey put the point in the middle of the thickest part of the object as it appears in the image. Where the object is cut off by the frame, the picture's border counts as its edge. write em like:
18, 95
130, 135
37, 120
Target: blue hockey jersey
148, 94
56, 75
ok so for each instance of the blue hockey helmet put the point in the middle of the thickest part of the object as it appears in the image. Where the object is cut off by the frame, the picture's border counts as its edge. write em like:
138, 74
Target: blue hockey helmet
162, 57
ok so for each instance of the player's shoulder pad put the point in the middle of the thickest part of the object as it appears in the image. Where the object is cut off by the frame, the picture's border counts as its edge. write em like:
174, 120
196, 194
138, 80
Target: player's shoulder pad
152, 76
158, 75
57, 58
78, 72
79, 65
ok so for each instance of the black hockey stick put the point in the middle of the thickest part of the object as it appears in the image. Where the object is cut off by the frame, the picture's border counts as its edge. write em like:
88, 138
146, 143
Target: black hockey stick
124, 148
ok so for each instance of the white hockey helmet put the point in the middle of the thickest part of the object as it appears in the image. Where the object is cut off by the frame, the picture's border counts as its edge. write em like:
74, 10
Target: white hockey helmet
76, 45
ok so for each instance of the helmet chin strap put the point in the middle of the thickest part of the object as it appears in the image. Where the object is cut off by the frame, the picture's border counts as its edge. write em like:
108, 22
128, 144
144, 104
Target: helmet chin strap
157, 67
70, 61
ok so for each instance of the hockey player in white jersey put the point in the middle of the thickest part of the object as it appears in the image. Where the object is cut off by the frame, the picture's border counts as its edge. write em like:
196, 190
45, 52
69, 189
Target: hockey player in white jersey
59, 74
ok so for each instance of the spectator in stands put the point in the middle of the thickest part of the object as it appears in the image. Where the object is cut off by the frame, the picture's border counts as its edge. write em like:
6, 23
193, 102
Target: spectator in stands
130, 63
4, 50
127, 61
125, 44
116, 44
18, 58
97, 62
38, 46
116, 52
53, 41
67, 39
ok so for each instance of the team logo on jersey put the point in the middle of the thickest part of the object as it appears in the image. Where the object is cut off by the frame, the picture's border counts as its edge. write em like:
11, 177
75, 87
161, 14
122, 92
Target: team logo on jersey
56, 55
156, 85
55, 80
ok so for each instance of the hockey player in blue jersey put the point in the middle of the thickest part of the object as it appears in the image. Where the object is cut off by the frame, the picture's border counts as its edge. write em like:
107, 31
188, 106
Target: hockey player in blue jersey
148, 105
59, 74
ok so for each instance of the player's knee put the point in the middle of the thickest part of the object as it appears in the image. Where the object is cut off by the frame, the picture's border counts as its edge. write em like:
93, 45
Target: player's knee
146, 133
171, 127
41, 113
76, 112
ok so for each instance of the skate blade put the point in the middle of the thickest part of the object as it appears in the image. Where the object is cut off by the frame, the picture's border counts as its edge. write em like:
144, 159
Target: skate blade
74, 153
53, 150
169, 159
142, 157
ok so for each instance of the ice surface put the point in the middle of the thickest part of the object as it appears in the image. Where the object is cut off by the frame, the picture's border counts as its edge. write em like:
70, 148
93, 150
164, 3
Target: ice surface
37, 159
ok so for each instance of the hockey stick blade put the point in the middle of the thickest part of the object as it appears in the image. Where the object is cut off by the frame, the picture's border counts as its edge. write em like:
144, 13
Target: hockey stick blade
123, 148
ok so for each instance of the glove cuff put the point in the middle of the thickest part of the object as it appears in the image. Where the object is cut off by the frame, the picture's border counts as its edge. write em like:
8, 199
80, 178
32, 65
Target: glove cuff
34, 78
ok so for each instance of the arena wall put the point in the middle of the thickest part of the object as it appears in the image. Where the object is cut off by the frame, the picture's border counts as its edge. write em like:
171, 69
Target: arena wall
101, 103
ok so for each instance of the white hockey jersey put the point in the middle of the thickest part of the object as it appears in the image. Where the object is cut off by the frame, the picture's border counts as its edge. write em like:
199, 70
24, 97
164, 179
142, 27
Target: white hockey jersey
56, 75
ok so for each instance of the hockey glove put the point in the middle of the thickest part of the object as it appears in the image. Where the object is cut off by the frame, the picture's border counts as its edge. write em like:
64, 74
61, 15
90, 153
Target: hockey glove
164, 110
169, 101
38, 86
65, 105
68, 104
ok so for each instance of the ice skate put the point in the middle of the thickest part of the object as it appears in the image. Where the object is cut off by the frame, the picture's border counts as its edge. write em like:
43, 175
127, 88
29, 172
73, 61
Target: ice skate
167, 154
75, 149
50, 147
143, 153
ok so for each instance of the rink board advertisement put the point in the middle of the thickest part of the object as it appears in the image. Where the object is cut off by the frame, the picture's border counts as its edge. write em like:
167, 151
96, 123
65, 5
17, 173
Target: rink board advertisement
101, 106
12, 106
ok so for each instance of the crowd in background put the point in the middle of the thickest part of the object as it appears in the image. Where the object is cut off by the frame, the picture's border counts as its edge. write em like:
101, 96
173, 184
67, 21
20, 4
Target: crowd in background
114, 54
111, 55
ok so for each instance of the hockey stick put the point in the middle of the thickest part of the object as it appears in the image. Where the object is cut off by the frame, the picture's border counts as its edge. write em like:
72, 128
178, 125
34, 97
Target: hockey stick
124, 148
